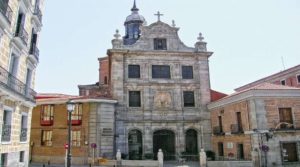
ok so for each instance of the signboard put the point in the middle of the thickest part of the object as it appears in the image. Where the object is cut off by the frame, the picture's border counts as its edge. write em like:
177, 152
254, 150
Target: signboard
94, 145
107, 132
66, 146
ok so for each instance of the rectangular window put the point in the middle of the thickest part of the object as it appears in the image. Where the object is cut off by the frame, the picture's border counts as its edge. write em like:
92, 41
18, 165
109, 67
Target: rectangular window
46, 138
47, 115
75, 138
282, 82
298, 78
23, 135
22, 156
4, 158
160, 44
133, 71
187, 72
239, 121
161, 71
289, 152
77, 113
134, 99
189, 99
286, 117
6, 127
220, 149
220, 124
13, 64
240, 151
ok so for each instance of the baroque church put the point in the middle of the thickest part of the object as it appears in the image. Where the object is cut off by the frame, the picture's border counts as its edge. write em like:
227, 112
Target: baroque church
162, 88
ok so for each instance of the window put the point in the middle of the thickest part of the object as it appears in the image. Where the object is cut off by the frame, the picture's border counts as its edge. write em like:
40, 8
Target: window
240, 151
220, 149
187, 72
6, 10
133, 71
161, 71
105, 80
285, 116
134, 99
289, 152
23, 135
20, 30
22, 155
282, 82
75, 138
4, 157
160, 44
6, 127
239, 122
188, 98
13, 65
76, 116
298, 78
46, 138
28, 80
220, 124
47, 115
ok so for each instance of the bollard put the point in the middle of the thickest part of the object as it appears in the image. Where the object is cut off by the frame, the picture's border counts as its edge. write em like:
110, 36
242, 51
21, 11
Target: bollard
160, 157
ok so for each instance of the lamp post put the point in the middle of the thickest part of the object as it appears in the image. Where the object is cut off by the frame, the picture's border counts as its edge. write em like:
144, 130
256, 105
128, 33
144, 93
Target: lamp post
70, 109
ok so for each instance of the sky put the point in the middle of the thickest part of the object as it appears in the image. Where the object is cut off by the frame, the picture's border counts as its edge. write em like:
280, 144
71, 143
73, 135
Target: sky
250, 39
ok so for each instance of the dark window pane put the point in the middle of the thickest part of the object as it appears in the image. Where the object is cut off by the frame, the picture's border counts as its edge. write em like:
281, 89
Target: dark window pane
160, 44
282, 82
133, 71
290, 153
161, 71
298, 78
189, 100
187, 72
22, 154
134, 98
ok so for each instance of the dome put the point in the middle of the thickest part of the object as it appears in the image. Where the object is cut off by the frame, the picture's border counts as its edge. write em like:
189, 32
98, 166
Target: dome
135, 16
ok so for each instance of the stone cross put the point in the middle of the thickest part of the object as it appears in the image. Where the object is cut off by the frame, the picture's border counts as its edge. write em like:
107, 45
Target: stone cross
200, 38
158, 15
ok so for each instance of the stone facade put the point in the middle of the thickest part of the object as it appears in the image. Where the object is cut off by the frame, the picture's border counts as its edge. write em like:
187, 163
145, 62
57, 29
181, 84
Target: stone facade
18, 60
263, 133
97, 114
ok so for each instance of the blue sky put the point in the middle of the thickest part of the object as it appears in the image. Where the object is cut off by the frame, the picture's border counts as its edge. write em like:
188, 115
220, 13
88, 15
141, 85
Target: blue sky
248, 38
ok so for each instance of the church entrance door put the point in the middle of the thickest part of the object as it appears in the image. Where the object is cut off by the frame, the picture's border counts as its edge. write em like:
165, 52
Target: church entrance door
135, 145
164, 140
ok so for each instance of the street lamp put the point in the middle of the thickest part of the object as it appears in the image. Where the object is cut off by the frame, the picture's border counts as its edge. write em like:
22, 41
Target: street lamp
70, 109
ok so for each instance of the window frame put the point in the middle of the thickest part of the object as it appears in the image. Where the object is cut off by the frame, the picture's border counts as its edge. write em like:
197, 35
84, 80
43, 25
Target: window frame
283, 81
185, 104
24, 126
22, 156
159, 74
297, 151
133, 75
46, 142
182, 72
283, 119
49, 116
130, 104
8, 123
164, 44
76, 141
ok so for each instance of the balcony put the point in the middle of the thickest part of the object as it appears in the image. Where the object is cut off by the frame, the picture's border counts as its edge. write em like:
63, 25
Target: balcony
75, 122
23, 136
46, 122
37, 15
35, 52
236, 129
217, 130
11, 83
23, 35
6, 133
6, 12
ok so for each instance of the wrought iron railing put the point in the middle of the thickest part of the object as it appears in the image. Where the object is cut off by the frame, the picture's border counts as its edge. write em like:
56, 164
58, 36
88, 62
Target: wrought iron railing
23, 34
23, 135
6, 11
34, 51
235, 128
6, 133
217, 130
17, 86
38, 13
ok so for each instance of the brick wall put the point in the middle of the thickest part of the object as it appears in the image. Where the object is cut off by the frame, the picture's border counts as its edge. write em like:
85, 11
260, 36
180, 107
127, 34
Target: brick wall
103, 70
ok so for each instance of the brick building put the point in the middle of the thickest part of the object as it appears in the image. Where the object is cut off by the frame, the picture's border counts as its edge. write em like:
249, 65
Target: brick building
20, 25
289, 77
92, 118
260, 124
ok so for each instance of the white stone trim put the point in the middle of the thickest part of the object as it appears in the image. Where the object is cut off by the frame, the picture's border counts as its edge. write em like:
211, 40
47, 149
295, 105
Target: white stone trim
64, 100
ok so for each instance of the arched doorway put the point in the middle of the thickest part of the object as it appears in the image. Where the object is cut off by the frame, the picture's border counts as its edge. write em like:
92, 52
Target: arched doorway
191, 144
165, 140
135, 145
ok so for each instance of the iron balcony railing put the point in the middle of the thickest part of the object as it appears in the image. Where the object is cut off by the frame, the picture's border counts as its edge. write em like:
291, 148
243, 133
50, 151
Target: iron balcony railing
6, 11
15, 85
217, 130
236, 129
6, 133
23, 34
23, 135
38, 13
35, 51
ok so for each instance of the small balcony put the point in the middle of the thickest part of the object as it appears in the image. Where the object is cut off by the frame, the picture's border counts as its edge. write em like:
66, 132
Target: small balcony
6, 133
8, 81
75, 122
35, 52
37, 15
236, 129
6, 11
23, 135
217, 130
46, 122
23, 35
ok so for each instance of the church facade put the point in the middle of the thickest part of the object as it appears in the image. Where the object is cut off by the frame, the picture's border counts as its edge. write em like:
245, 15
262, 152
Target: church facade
162, 87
